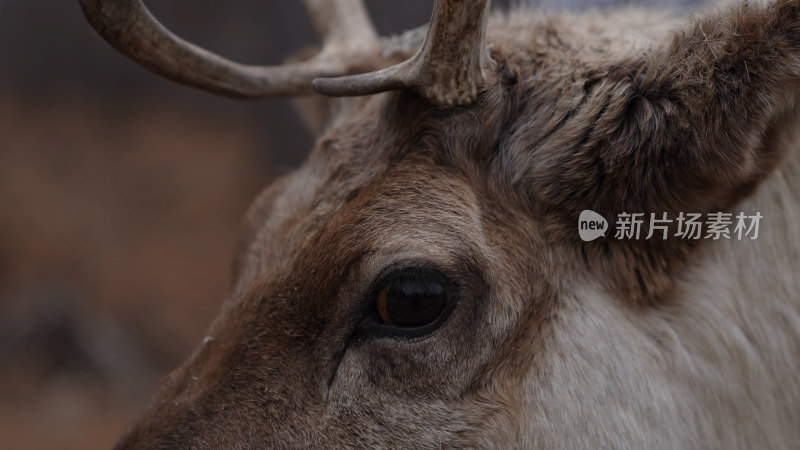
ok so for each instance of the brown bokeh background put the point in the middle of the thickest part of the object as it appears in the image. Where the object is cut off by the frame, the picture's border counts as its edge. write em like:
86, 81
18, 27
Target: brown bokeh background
120, 201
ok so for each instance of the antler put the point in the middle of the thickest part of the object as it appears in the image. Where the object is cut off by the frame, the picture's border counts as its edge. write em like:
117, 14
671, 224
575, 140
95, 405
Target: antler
447, 69
348, 41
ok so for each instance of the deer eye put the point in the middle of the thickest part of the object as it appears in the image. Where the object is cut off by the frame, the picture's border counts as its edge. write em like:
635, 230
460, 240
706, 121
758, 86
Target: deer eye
409, 302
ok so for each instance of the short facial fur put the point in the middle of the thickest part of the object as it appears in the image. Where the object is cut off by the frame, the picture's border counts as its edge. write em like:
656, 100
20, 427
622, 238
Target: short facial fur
553, 342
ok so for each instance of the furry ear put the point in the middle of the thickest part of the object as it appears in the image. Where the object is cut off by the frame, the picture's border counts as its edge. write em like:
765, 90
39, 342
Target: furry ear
686, 127
690, 127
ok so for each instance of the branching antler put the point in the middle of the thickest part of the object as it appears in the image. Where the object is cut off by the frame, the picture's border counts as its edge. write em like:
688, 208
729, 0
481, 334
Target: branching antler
447, 69
130, 28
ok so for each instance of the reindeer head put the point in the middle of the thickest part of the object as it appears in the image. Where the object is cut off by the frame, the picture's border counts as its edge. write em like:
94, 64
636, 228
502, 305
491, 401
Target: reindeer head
407, 286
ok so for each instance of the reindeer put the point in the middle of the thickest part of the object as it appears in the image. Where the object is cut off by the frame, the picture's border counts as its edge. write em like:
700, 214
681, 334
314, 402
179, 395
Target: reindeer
419, 282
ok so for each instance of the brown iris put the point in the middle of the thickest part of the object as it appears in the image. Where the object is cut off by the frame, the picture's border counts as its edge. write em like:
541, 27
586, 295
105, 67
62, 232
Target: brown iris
411, 300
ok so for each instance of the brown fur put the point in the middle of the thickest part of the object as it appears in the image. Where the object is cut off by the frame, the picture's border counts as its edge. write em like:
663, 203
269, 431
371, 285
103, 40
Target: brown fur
554, 342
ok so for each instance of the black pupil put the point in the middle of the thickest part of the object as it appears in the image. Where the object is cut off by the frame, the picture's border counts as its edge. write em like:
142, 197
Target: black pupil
414, 300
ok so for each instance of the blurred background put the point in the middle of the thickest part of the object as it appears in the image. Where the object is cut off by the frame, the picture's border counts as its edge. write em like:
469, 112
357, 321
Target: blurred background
120, 201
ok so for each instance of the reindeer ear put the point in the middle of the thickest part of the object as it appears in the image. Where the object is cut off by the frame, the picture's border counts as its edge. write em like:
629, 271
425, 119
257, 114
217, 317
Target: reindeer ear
690, 127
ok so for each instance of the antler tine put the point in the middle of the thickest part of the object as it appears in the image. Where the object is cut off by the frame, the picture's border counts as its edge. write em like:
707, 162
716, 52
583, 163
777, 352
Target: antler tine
348, 41
447, 69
